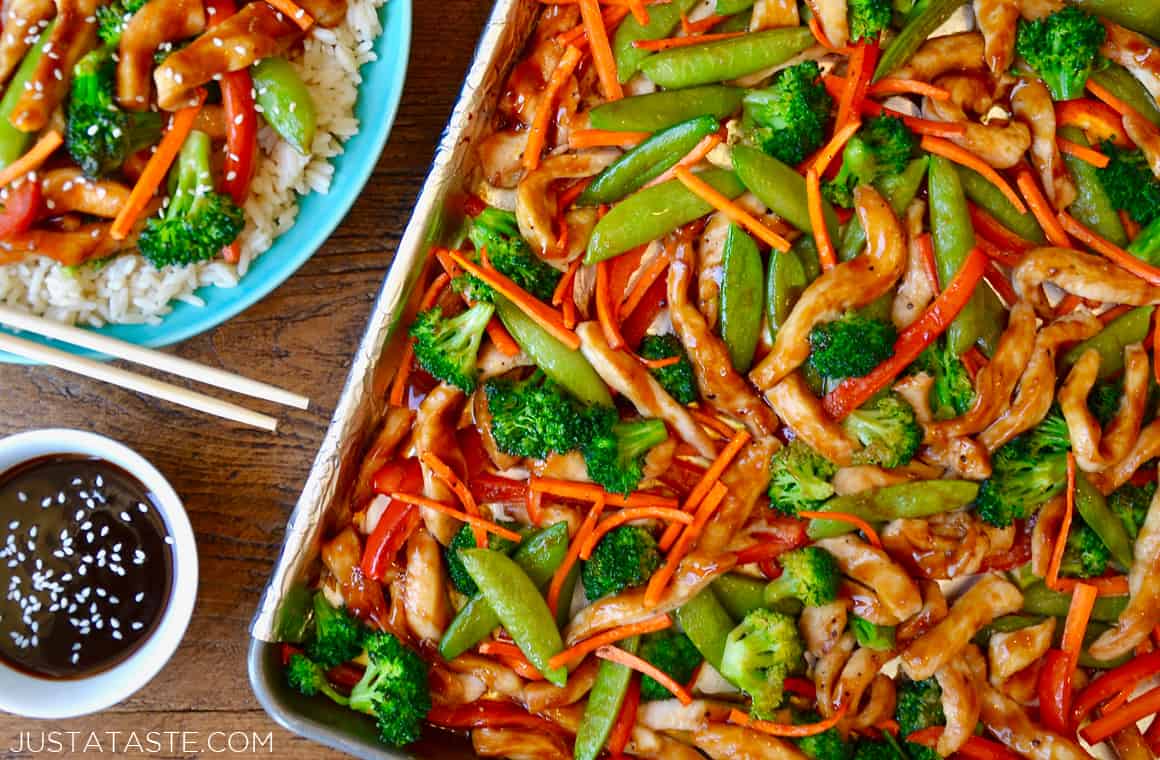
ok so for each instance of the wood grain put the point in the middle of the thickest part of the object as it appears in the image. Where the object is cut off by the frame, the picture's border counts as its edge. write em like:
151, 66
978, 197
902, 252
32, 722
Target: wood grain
239, 485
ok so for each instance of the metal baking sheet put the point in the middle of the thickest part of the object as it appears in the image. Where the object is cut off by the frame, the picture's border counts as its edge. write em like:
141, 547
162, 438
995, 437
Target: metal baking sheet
437, 216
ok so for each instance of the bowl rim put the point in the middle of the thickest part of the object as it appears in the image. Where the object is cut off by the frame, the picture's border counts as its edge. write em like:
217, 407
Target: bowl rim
31, 697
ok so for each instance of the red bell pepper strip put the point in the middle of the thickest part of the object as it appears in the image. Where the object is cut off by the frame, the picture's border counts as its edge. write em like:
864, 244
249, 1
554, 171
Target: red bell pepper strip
21, 208
398, 520
1099, 121
1113, 682
1117, 720
490, 714
801, 686
622, 729
976, 748
1055, 691
636, 324
487, 488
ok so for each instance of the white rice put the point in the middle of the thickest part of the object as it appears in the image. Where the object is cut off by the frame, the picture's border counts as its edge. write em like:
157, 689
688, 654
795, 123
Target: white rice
128, 290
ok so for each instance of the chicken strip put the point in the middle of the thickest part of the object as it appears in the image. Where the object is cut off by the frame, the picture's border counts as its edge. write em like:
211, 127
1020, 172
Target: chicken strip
1147, 137
1133, 51
774, 14
536, 195
158, 21
960, 703
711, 266
859, 560
831, 14
671, 715
66, 190
803, 413
996, 20
425, 589
1009, 653
915, 291
1095, 451
435, 426
74, 34
541, 695
1031, 104
1143, 610
938, 55
21, 22
1082, 274
958, 456
1000, 145
821, 627
519, 744
725, 741
746, 478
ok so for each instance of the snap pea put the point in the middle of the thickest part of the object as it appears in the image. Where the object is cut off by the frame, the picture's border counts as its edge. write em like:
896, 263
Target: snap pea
654, 212
918, 27
567, 367
13, 142
285, 102
738, 22
1123, 331
780, 188
953, 237
994, 321
567, 590
920, 498
662, 20
646, 161
1011, 623
1146, 246
784, 284
741, 297
1038, 599
1093, 508
724, 60
739, 594
659, 110
987, 197
1140, 15
729, 7
707, 625
538, 555
1118, 81
872, 635
604, 703
899, 190
1091, 207
294, 615
520, 608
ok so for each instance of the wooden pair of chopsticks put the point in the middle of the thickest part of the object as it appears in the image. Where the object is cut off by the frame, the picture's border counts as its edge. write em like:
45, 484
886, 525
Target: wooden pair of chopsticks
146, 357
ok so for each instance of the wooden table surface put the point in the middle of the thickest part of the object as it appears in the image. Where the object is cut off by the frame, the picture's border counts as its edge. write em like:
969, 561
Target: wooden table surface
239, 486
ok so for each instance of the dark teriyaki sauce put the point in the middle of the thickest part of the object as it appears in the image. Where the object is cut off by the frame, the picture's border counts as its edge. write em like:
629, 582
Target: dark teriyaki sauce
86, 566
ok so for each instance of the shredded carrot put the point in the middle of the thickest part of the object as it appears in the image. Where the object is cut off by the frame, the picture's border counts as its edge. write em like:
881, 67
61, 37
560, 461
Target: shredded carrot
472, 520
33, 159
660, 579
826, 255
668, 361
1041, 209
830, 150
538, 133
639, 12
1111, 585
713, 422
919, 126
1052, 577
949, 150
894, 86
711, 476
570, 489
994, 230
547, 317
709, 194
601, 51
180, 125
582, 649
675, 42
605, 138
621, 657
691, 159
1112, 723
1069, 303
459, 488
495, 329
784, 729
700, 25
511, 655
823, 40
650, 274
1082, 152
606, 308
564, 287
399, 383
534, 500
1083, 599
1121, 107
287, 7
857, 522
629, 515
973, 361
1110, 250
1000, 284
926, 250
578, 36
573, 554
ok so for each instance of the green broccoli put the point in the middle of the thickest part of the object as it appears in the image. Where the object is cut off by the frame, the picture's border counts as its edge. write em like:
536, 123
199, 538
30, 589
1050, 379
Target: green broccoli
799, 478
615, 458
498, 232
871, 635
759, 653
868, 18
98, 135
338, 635
876, 749
113, 16
673, 652
919, 706
1051, 434
624, 558
828, 745
1130, 183
887, 429
198, 222
465, 539
809, 574
850, 346
788, 119
1130, 503
1022, 479
393, 689
535, 416
952, 392
308, 677
1062, 49
677, 378
1084, 554
448, 348
881, 148
1104, 401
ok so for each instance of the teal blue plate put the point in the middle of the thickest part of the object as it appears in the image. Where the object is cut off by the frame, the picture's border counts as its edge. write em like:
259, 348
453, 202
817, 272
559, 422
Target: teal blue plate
318, 215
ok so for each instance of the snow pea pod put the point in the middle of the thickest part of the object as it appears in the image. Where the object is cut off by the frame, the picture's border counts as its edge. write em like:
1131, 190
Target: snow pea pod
729, 7
538, 555
919, 498
783, 285
987, 197
1091, 207
646, 161
654, 212
780, 188
738, 22
13, 142
662, 20
660, 110
1146, 246
567, 367
741, 297
285, 102
604, 703
1093, 508
724, 60
953, 237
739, 594
1038, 599
1140, 15
918, 27
707, 624
899, 190
1123, 331
520, 608
1118, 81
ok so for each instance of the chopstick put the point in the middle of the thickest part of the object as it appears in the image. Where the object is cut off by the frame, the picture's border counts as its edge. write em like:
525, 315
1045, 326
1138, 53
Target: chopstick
174, 365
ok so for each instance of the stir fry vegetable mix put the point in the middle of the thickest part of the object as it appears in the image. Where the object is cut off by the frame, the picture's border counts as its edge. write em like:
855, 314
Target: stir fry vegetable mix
784, 316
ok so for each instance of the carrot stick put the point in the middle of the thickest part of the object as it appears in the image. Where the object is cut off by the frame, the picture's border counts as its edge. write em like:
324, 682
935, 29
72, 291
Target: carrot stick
573, 554
857, 522
180, 125
1110, 250
582, 649
495, 329
894, 86
33, 159
674, 42
700, 25
926, 250
691, 159
711, 476
823, 40
994, 230
660, 579
949, 150
831, 149
862, 65
472, 520
1107, 725
826, 254
538, 133
511, 655
1001, 285
1082, 152
709, 194
639, 12
1112, 585
399, 383
629, 515
783, 729
459, 488
564, 287
578, 36
855, 68
601, 51
300, 17
712, 422
1052, 577
534, 500
651, 274
605, 138
570, 489
605, 309
1041, 209
621, 657
668, 361
1083, 599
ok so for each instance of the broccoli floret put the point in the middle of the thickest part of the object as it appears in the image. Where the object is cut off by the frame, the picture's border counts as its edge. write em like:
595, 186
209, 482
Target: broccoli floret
759, 653
615, 458
393, 689
919, 706
198, 222
1022, 479
1051, 434
1061, 48
788, 119
447, 348
534, 417
1130, 184
98, 135
626, 557
799, 478
827, 745
1084, 554
1130, 503
338, 635
673, 652
498, 232
308, 677
809, 574
850, 346
868, 18
871, 635
887, 429
465, 539
112, 18
952, 393
1104, 401
876, 749
881, 148
677, 378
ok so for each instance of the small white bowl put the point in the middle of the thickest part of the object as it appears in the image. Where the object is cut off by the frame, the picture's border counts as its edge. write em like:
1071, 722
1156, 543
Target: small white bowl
33, 697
